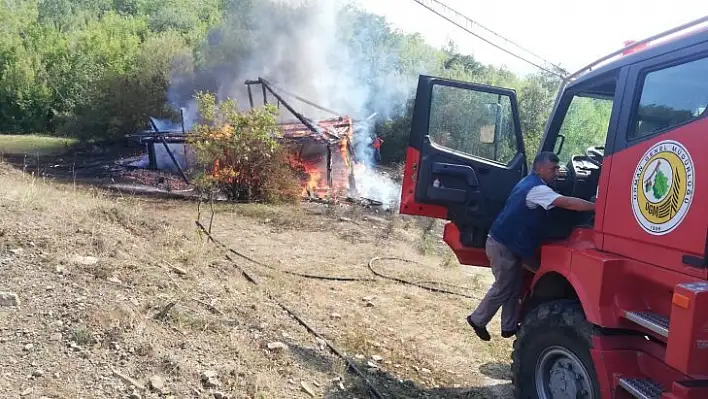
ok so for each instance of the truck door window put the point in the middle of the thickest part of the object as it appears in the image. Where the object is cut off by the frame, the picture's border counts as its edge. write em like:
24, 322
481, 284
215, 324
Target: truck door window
472, 122
670, 97
585, 125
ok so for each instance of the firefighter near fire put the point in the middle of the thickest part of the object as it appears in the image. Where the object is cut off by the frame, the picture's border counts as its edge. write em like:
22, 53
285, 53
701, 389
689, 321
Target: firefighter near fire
376, 144
617, 303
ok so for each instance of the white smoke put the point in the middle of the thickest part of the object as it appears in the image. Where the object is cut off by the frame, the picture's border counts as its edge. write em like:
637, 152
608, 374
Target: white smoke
162, 158
307, 48
378, 186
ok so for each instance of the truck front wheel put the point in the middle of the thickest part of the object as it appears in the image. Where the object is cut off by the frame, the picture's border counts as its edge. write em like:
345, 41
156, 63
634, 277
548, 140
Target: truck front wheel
551, 357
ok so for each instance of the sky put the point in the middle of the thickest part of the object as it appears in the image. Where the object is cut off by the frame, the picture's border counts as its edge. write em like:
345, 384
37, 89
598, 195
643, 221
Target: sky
549, 28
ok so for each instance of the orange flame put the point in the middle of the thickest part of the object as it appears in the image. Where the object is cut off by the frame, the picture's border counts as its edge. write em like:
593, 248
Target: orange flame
310, 175
315, 183
344, 151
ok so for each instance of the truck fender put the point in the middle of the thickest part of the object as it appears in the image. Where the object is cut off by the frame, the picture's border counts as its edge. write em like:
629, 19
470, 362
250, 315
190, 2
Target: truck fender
556, 283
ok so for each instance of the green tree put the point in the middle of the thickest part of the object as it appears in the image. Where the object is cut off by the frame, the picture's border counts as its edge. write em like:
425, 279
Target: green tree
536, 98
661, 185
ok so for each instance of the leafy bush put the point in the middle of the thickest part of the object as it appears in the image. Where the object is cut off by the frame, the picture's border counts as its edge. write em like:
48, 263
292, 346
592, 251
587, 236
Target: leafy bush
239, 153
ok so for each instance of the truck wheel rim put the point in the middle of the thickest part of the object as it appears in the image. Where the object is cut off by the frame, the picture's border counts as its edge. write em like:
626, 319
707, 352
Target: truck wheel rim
561, 374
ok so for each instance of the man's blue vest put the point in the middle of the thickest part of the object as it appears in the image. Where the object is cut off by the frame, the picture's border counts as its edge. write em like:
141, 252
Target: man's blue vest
518, 227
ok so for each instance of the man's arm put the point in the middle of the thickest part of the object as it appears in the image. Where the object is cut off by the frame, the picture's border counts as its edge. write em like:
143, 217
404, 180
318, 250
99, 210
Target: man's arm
574, 204
545, 197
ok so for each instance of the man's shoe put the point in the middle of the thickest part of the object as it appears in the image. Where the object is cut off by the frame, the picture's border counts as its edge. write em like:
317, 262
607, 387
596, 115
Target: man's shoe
508, 333
481, 332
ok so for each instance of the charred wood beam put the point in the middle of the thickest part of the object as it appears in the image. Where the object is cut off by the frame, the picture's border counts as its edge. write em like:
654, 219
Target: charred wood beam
174, 160
250, 95
329, 165
169, 152
352, 154
352, 185
154, 126
361, 201
151, 138
152, 157
266, 86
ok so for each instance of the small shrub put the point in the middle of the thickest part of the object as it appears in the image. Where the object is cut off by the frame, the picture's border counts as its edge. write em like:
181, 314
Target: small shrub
82, 336
239, 153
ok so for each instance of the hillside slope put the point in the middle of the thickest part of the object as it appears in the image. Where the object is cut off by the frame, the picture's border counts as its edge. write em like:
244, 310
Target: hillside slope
121, 297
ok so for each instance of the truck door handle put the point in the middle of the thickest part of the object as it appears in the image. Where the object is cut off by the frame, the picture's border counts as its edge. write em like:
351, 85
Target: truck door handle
466, 171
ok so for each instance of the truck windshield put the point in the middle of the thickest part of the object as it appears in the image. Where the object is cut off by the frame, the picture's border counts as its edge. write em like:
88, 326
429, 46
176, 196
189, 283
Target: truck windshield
585, 125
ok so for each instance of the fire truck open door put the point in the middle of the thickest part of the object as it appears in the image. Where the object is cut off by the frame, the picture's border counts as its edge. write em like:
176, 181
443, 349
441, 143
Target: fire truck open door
465, 155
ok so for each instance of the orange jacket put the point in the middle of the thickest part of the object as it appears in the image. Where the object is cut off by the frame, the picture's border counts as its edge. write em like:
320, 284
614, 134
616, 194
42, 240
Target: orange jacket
377, 142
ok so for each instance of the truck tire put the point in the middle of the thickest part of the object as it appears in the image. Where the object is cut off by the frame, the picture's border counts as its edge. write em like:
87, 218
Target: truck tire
551, 357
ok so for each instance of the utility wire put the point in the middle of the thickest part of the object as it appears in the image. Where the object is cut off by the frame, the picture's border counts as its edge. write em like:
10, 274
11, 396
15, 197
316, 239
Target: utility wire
304, 100
456, 18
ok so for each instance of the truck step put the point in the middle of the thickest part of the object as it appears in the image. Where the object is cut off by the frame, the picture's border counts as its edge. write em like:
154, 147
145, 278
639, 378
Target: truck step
652, 321
642, 388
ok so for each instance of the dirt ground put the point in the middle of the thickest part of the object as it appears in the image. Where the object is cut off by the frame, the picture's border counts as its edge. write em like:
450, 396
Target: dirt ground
113, 296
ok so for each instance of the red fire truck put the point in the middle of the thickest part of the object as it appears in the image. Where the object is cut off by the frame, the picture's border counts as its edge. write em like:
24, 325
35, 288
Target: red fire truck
619, 306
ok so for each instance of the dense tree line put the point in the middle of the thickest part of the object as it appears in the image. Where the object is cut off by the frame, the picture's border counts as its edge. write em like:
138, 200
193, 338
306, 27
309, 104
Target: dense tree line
97, 69
93, 68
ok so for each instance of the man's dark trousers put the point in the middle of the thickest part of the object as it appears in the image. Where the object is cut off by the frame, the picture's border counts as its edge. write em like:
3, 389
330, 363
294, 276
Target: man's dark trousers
505, 292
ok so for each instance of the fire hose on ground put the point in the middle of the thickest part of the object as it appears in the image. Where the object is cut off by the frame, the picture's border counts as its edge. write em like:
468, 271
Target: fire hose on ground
378, 275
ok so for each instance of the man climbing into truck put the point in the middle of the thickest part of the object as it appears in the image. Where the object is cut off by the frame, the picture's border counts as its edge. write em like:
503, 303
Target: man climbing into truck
514, 239
376, 144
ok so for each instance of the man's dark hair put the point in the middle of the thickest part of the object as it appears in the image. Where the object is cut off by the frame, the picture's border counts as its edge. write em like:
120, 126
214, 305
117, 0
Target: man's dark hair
545, 156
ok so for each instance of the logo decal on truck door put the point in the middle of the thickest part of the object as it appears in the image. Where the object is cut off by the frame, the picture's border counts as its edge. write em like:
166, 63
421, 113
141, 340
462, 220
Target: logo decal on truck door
662, 187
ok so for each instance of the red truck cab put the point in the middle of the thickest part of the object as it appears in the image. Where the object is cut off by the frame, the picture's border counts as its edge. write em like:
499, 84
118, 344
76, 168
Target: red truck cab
619, 306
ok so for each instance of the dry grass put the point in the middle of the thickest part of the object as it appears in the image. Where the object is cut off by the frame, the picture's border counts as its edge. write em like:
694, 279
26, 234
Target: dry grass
160, 300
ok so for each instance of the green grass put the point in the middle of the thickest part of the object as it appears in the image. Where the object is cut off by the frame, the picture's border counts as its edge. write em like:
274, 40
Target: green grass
32, 144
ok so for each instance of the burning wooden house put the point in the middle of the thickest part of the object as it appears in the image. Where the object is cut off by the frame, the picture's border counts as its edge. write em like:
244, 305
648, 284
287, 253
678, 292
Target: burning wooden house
320, 151
323, 159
